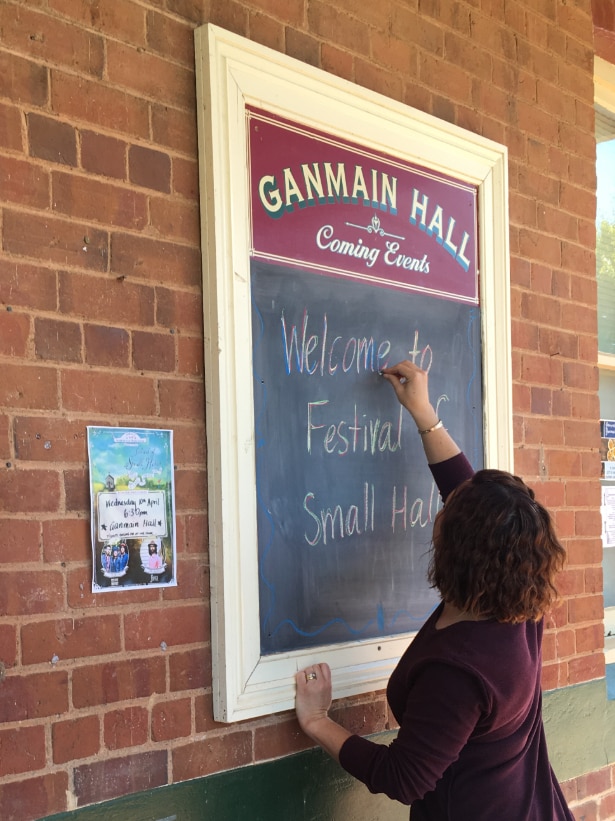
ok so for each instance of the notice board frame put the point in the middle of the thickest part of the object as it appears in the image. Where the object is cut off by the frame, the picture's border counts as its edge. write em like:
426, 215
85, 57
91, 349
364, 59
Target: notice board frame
232, 74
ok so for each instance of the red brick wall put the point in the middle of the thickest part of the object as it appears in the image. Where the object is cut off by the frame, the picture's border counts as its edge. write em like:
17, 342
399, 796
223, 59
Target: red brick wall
101, 323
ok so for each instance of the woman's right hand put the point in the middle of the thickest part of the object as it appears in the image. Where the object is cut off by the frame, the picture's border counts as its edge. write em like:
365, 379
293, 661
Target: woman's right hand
410, 384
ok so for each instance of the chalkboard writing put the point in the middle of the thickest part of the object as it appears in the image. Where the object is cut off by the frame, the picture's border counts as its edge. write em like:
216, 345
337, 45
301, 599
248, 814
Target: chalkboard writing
345, 499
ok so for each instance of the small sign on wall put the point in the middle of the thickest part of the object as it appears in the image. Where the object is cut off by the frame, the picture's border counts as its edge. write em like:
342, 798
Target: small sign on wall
607, 448
132, 508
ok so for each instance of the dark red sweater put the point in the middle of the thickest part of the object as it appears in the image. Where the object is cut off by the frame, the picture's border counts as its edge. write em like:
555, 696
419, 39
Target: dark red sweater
471, 743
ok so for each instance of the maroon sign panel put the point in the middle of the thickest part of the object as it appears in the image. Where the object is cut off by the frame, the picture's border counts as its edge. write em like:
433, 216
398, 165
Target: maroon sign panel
343, 210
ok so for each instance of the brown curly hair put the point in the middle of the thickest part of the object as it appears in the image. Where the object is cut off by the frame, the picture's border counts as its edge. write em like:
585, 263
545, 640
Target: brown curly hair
495, 553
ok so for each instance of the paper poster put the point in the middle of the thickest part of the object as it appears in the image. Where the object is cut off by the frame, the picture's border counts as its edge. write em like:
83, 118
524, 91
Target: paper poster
607, 448
132, 508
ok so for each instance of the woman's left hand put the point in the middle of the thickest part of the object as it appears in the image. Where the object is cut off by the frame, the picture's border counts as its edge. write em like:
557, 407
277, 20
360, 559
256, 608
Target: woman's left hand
313, 698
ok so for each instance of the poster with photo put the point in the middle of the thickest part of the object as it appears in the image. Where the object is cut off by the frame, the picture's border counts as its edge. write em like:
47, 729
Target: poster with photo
607, 449
132, 508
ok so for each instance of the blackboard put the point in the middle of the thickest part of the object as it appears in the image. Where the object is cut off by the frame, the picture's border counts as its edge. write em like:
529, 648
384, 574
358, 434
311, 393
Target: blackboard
345, 499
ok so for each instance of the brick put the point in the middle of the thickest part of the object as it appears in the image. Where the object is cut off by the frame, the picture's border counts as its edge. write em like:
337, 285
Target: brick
76, 491
125, 728
211, 755
8, 645
175, 219
338, 61
558, 342
230, 15
50, 40
22, 750
101, 299
28, 386
24, 182
66, 540
190, 490
26, 592
278, 740
149, 168
302, 46
594, 579
204, 714
182, 310
193, 579
27, 286
76, 738
6, 436
196, 529
57, 340
565, 643
70, 638
29, 491
589, 639
155, 260
107, 347
587, 811
190, 670
190, 356
99, 684
543, 431
22, 80
175, 129
363, 718
121, 19
180, 399
58, 241
173, 625
170, 38
562, 463
97, 201
97, 392
586, 668
52, 140
266, 30
47, 439
150, 76
113, 777
585, 608
187, 9
153, 351
14, 333
546, 370
91, 103
588, 523
537, 246
79, 589
581, 375
350, 33
370, 76
541, 400
171, 719
20, 538
35, 696
103, 155
34, 797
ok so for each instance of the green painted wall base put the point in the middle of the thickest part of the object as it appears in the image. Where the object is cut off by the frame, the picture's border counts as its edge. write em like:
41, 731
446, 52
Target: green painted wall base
309, 786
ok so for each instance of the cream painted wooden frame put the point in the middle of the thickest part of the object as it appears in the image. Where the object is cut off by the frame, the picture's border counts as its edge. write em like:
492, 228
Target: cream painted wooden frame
233, 72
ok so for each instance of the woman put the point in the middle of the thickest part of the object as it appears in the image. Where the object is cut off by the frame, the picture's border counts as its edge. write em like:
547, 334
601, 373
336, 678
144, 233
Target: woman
466, 693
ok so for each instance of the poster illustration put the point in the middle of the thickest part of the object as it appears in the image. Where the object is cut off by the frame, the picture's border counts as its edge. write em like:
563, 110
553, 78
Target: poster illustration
132, 508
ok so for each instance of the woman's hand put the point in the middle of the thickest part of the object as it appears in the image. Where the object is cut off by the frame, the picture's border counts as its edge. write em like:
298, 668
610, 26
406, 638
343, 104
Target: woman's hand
313, 698
410, 384
313, 703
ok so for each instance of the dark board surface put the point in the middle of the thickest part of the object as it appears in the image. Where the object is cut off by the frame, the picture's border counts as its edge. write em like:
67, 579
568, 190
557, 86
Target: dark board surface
345, 499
